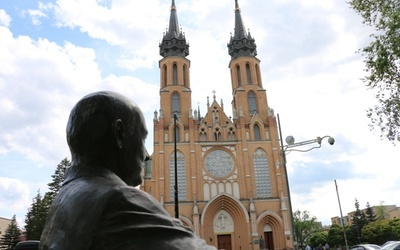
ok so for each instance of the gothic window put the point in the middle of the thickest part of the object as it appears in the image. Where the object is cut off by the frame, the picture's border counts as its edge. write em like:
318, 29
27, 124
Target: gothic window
217, 134
147, 165
261, 174
239, 76
231, 134
177, 133
248, 73
203, 135
176, 105
175, 74
180, 162
184, 75
257, 135
252, 103
165, 75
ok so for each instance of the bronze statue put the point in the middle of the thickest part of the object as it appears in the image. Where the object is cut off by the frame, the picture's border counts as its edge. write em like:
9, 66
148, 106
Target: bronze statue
98, 206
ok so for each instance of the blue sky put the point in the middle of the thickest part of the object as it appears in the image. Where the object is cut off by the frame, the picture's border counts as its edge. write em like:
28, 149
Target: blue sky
54, 52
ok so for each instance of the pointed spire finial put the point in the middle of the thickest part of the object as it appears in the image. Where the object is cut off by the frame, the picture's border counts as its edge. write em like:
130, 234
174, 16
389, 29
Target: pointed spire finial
236, 4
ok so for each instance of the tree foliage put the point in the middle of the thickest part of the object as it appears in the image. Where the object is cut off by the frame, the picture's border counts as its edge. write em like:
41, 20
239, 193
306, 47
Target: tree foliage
11, 235
336, 236
382, 63
370, 214
37, 213
58, 177
380, 231
359, 220
305, 226
318, 238
36, 217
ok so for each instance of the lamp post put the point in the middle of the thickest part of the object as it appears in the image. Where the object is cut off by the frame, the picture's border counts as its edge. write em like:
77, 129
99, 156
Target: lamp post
341, 217
176, 171
288, 148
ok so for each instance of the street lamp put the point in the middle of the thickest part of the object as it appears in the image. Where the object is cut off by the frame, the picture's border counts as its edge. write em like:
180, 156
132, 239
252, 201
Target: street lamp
176, 170
291, 144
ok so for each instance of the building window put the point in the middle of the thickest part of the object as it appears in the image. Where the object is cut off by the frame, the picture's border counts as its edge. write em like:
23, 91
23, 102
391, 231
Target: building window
203, 135
248, 73
180, 162
175, 74
217, 134
165, 75
261, 174
252, 103
184, 75
177, 133
231, 134
176, 105
257, 135
147, 170
239, 76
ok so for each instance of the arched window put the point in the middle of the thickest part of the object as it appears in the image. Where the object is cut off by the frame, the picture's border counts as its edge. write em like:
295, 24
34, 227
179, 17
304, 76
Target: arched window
252, 103
165, 75
180, 162
184, 75
175, 74
176, 105
177, 133
203, 135
261, 174
239, 76
248, 73
257, 136
217, 134
231, 134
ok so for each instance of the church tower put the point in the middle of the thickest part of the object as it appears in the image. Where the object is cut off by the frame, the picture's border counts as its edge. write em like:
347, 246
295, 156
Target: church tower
232, 187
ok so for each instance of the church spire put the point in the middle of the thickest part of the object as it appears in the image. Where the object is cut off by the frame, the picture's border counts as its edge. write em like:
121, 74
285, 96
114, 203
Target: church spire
174, 41
241, 43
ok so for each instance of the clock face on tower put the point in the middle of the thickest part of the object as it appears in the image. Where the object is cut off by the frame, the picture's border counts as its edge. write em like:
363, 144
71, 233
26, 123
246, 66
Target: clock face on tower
218, 163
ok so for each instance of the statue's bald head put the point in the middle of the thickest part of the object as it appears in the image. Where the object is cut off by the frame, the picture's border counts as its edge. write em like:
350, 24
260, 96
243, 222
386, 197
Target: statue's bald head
107, 128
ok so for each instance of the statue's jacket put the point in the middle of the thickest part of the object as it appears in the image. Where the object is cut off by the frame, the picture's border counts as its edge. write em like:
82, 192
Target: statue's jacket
95, 209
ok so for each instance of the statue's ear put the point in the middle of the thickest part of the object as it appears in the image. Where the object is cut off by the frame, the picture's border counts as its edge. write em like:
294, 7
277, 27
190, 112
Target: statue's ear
119, 132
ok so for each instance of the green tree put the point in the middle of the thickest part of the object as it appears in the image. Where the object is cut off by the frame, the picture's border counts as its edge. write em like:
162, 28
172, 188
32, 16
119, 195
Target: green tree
382, 63
305, 226
370, 214
336, 236
39, 209
58, 177
36, 217
380, 231
359, 220
317, 238
11, 235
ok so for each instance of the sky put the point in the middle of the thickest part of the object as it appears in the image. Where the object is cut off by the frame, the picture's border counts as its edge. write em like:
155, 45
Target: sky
52, 53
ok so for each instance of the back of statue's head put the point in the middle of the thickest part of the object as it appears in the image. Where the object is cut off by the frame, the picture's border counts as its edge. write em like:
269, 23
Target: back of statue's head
89, 128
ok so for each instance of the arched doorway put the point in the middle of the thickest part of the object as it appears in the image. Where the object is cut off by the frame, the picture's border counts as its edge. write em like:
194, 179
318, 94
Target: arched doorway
223, 228
268, 237
225, 223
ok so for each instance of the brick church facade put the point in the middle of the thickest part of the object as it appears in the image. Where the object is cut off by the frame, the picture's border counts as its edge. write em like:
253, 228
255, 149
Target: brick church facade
232, 188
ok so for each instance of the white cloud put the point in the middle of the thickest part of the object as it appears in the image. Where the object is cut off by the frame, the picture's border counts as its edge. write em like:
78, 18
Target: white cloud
34, 124
5, 19
14, 194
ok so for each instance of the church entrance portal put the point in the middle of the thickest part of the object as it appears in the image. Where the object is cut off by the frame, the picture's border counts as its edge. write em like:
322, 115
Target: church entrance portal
224, 242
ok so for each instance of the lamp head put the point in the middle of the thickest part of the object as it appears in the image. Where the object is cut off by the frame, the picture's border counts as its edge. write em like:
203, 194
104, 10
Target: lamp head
331, 140
289, 140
